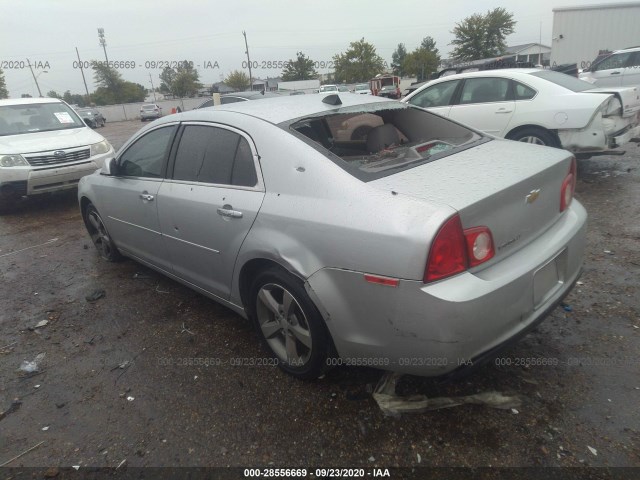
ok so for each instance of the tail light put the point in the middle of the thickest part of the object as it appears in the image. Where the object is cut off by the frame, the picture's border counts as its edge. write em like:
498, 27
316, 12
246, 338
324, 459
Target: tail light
454, 250
568, 186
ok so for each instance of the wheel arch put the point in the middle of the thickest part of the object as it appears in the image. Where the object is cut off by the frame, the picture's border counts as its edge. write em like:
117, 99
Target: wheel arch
250, 269
515, 130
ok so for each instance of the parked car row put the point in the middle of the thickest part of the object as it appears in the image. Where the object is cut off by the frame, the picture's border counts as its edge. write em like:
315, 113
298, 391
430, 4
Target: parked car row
91, 116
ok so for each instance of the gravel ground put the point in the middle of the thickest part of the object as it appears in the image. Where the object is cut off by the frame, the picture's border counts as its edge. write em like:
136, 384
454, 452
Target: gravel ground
116, 382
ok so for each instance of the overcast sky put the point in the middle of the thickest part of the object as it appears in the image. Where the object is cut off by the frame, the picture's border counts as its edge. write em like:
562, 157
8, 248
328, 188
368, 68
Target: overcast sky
143, 31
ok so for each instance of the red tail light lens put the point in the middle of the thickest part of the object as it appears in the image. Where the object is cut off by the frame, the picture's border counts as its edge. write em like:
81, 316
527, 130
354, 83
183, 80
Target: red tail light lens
479, 245
448, 254
454, 250
568, 186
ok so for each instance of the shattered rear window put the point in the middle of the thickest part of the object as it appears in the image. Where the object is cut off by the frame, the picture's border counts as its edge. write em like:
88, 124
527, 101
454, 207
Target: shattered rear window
373, 141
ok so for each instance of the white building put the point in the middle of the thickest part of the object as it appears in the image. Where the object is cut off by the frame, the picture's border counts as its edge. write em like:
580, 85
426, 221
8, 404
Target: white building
535, 53
580, 33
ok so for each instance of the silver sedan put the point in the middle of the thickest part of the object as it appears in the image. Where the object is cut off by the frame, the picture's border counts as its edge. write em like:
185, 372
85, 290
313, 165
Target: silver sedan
419, 245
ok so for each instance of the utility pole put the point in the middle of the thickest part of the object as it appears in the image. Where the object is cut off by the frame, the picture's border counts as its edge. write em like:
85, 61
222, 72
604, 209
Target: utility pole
82, 71
35, 79
152, 88
103, 43
248, 59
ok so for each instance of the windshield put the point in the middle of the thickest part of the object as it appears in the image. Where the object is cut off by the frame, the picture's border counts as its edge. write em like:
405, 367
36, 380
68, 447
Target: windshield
564, 80
37, 117
362, 87
374, 141
328, 88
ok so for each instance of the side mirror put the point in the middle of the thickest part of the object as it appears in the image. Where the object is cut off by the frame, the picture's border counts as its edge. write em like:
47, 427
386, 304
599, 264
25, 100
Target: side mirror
110, 168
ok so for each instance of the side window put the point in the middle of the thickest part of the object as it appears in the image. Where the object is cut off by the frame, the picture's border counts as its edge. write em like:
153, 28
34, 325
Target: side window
618, 60
522, 92
214, 155
438, 95
208, 103
147, 156
635, 60
484, 90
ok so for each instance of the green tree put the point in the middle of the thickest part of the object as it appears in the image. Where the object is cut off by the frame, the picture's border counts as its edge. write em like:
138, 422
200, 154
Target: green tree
72, 98
482, 36
4, 93
53, 94
299, 69
397, 60
186, 81
429, 44
423, 61
113, 89
359, 63
167, 77
237, 80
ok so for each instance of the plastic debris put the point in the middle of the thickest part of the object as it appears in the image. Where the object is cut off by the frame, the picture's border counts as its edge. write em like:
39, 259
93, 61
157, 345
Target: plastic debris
75, 467
593, 450
41, 323
419, 458
515, 411
609, 252
44, 429
95, 296
33, 366
392, 404
566, 307
372, 458
130, 398
36, 386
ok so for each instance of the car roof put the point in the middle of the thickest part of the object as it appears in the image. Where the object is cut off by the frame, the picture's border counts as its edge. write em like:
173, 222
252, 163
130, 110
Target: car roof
624, 50
502, 72
24, 101
289, 107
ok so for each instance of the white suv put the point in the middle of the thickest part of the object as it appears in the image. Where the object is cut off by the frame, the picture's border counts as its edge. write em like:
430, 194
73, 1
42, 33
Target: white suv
44, 147
620, 69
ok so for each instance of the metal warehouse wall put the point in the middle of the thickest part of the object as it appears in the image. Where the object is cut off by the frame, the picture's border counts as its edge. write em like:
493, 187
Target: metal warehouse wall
587, 30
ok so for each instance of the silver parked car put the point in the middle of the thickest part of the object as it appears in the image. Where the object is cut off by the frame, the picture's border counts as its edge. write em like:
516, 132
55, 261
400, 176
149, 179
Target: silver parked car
411, 248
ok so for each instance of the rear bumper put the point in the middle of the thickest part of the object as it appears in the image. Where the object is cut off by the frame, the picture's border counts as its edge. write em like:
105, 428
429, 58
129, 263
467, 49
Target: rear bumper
434, 329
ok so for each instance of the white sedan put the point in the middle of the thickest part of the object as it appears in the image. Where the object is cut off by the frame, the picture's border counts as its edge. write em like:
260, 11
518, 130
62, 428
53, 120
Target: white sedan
536, 106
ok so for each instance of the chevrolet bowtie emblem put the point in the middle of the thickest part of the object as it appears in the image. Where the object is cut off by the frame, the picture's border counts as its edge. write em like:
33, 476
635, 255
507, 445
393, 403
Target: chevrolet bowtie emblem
533, 195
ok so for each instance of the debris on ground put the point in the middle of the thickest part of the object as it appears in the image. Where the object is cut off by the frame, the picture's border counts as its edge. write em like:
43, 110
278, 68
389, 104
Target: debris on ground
566, 307
20, 455
40, 324
130, 398
184, 329
33, 366
96, 295
593, 450
15, 406
392, 404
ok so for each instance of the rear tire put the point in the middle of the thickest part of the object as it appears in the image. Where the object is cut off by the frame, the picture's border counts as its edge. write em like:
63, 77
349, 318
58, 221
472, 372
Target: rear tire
289, 324
536, 136
100, 236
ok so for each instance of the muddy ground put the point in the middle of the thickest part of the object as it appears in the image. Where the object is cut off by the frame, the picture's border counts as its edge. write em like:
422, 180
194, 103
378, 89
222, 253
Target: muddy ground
157, 411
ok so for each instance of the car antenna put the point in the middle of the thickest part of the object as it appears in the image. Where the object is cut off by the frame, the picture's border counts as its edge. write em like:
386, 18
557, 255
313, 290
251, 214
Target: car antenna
332, 100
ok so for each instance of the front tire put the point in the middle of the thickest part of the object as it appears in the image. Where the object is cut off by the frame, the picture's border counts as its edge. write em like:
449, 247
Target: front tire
536, 136
289, 324
100, 236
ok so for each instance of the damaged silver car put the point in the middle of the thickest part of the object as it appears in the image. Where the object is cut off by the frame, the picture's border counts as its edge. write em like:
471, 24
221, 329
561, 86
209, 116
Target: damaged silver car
417, 245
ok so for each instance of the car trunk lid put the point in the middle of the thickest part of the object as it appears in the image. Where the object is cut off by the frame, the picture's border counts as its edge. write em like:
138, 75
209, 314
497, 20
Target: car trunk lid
511, 187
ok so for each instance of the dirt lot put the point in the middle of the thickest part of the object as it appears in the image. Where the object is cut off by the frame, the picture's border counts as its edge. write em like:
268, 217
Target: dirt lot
113, 384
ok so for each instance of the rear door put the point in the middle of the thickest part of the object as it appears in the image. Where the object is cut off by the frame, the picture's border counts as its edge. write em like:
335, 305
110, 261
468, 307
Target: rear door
210, 202
485, 103
130, 197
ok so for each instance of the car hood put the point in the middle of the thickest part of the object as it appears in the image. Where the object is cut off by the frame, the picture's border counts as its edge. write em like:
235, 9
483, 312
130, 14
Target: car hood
46, 141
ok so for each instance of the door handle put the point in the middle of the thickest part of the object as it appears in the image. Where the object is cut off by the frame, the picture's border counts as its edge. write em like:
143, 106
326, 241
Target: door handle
225, 212
147, 197
502, 110
615, 73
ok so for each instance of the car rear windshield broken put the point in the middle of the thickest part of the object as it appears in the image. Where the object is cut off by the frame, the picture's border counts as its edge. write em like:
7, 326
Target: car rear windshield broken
375, 141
